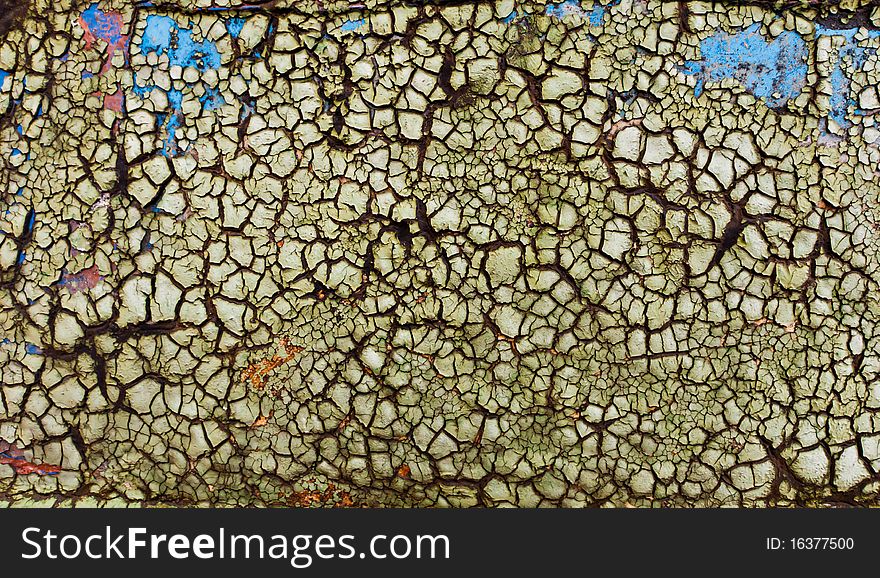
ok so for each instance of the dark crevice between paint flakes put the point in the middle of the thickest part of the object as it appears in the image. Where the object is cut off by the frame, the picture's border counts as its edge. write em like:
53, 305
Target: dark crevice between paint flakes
12, 12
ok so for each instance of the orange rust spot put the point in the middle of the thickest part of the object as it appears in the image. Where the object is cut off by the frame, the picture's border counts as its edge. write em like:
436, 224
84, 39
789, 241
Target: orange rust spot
329, 497
257, 373
403, 471
263, 420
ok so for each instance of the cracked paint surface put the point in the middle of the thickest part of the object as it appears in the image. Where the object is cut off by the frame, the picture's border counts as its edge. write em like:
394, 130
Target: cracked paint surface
523, 253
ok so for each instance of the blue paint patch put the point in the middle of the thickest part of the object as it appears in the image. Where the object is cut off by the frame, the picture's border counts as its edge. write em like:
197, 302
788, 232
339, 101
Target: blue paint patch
19, 130
3, 75
32, 349
234, 26
854, 55
510, 17
103, 26
169, 145
353, 25
87, 74
597, 15
164, 36
39, 112
21, 257
142, 91
247, 109
774, 71
16, 152
175, 100
174, 119
212, 99
564, 8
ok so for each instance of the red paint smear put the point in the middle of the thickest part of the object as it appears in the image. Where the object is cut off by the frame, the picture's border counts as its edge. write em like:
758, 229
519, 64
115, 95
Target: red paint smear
12, 456
108, 27
25, 467
82, 281
114, 101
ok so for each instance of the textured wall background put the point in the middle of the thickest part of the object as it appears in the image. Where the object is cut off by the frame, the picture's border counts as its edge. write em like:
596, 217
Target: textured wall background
611, 252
